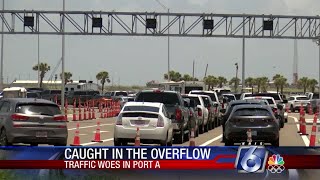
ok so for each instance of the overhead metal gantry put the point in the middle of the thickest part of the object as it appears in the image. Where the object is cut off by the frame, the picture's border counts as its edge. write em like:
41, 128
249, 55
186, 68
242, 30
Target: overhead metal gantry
156, 24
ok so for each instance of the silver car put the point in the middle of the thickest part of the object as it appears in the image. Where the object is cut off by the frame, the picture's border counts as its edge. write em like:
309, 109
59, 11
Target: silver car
259, 118
295, 102
153, 120
32, 121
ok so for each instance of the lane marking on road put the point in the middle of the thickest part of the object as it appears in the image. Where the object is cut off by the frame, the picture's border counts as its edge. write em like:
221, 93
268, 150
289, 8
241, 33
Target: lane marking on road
91, 143
83, 134
304, 138
85, 127
212, 140
100, 131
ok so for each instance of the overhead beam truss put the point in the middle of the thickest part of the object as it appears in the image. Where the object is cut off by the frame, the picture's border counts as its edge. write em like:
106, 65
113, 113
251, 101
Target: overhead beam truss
180, 24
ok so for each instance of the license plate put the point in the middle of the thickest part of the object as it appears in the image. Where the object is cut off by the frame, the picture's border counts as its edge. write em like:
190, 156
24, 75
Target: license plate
139, 122
41, 134
254, 133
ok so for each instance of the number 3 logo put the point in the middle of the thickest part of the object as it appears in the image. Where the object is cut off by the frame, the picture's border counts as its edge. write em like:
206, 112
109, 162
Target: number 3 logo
252, 157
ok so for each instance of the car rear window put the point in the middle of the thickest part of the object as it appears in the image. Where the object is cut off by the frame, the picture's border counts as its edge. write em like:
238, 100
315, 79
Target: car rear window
37, 108
195, 99
165, 98
136, 114
121, 94
274, 95
141, 108
252, 112
206, 101
32, 95
212, 95
302, 98
55, 92
229, 97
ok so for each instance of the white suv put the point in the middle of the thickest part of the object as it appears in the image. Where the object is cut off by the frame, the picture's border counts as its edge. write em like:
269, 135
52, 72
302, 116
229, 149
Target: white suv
295, 102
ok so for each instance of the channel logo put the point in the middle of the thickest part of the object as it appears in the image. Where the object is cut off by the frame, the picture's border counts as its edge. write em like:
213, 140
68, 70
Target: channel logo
276, 164
251, 159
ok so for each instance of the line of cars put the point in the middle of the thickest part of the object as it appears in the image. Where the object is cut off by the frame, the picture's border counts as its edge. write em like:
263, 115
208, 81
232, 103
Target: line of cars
166, 117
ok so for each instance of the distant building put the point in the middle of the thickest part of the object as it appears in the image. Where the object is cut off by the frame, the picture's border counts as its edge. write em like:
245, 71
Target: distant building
34, 83
81, 85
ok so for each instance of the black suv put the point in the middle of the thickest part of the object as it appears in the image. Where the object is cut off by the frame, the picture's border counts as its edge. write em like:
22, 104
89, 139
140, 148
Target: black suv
177, 108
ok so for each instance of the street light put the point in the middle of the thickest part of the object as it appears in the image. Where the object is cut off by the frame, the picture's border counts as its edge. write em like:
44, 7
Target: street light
236, 83
165, 7
317, 41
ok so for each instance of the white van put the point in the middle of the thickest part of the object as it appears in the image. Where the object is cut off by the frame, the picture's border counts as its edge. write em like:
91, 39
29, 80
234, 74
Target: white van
14, 92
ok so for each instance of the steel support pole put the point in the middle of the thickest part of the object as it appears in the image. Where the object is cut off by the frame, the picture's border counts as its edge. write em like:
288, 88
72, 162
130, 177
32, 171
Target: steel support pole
243, 57
39, 60
62, 62
169, 78
2, 42
319, 67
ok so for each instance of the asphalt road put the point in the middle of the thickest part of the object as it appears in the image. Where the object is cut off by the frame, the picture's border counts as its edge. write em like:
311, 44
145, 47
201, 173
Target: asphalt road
288, 135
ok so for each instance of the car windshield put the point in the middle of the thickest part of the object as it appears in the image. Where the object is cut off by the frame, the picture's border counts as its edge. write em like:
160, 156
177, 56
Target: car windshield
38, 108
165, 98
196, 100
32, 95
302, 98
252, 112
55, 92
121, 94
275, 96
141, 108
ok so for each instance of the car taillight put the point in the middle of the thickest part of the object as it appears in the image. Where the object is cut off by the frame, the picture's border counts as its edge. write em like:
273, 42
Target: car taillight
190, 113
222, 105
275, 110
18, 117
160, 122
209, 107
178, 114
199, 112
59, 118
119, 120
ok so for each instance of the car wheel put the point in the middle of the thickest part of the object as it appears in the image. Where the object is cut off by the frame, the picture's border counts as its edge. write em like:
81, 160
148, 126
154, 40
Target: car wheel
292, 109
286, 120
117, 142
170, 142
275, 143
4, 139
197, 132
200, 129
61, 144
228, 143
187, 136
206, 127
178, 138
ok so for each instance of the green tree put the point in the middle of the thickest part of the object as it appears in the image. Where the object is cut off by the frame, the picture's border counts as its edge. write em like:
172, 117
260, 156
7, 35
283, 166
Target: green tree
187, 77
43, 68
174, 76
234, 81
211, 81
262, 83
103, 77
222, 81
280, 82
67, 77
312, 84
303, 83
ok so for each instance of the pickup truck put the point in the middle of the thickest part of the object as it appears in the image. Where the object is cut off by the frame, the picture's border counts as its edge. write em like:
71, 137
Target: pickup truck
177, 108
314, 101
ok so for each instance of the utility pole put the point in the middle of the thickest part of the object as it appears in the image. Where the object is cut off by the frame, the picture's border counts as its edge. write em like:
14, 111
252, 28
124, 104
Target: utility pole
193, 70
2, 43
62, 63
39, 60
243, 57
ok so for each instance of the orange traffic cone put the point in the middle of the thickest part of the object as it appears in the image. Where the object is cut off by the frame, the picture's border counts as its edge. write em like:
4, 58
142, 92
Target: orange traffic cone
85, 112
93, 114
313, 136
90, 111
97, 137
76, 139
192, 140
74, 116
137, 140
303, 130
249, 137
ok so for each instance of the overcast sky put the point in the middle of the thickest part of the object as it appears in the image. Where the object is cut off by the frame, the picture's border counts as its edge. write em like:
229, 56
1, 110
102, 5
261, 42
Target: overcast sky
136, 60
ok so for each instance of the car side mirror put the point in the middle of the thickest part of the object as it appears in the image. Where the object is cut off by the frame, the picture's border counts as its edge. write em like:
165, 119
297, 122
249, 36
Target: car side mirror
285, 101
223, 111
172, 116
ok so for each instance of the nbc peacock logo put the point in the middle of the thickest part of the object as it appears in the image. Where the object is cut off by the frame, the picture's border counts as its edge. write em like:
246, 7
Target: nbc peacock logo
276, 164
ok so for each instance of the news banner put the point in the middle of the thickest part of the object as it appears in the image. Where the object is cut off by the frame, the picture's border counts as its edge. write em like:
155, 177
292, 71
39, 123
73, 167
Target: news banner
245, 159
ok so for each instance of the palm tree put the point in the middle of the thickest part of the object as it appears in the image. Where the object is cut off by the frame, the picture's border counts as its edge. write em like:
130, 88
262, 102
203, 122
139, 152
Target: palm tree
174, 76
304, 83
234, 81
279, 81
67, 77
43, 68
210, 81
312, 84
103, 76
262, 83
222, 81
